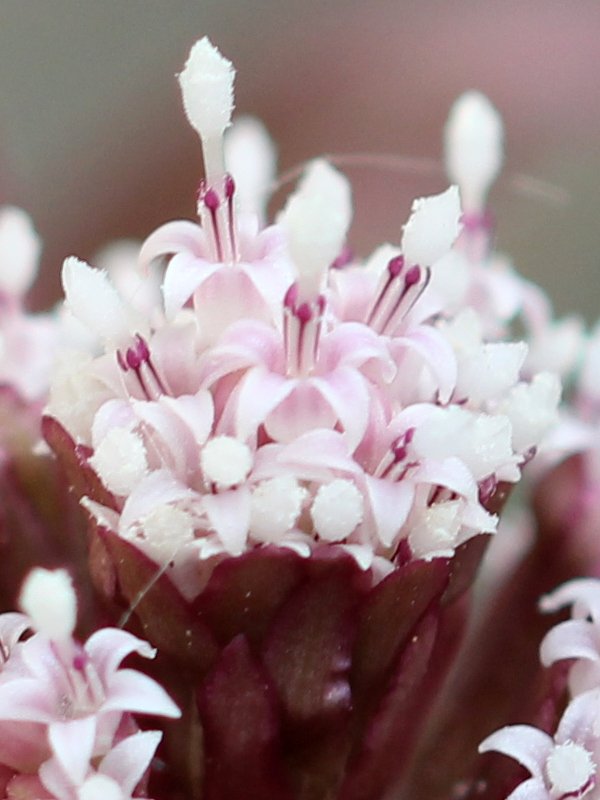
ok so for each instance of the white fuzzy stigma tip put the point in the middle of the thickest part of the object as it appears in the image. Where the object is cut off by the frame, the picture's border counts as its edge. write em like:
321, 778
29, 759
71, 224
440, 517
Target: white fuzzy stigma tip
207, 88
226, 461
337, 510
49, 599
570, 767
432, 227
316, 219
473, 142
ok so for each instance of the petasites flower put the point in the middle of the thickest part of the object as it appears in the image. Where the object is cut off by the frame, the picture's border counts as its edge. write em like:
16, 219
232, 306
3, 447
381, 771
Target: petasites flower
291, 461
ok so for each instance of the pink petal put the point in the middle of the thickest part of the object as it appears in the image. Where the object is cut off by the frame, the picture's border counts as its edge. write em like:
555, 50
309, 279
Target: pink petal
317, 454
159, 488
572, 639
175, 237
27, 700
390, 503
183, 276
582, 593
107, 647
195, 411
352, 344
127, 762
72, 743
346, 392
229, 516
243, 300
303, 408
580, 719
527, 745
133, 691
533, 789
258, 394
436, 352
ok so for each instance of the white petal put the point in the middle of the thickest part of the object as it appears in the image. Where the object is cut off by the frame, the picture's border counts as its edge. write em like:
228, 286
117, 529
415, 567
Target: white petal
527, 745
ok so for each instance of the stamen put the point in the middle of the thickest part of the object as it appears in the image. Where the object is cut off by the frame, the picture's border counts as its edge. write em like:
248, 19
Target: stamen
211, 202
393, 465
302, 327
396, 295
134, 359
218, 200
229, 194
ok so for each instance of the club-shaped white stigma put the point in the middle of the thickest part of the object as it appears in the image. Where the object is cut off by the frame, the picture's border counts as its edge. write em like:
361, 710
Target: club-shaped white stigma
432, 227
473, 140
316, 219
49, 599
207, 89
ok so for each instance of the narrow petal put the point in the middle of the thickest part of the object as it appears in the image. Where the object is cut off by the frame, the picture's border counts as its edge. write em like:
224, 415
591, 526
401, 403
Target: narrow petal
180, 236
183, 276
72, 743
127, 762
390, 503
527, 745
346, 392
109, 646
229, 516
572, 639
133, 691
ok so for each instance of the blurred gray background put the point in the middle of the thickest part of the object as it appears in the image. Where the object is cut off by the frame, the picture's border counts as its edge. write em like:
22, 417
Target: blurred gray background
94, 144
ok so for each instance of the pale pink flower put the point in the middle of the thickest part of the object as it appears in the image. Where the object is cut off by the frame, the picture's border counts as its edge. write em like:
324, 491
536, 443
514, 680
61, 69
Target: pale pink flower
56, 693
562, 766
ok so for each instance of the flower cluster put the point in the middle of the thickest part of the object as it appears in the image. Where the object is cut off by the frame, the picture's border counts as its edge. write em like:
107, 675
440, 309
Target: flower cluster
290, 461
566, 763
280, 392
66, 724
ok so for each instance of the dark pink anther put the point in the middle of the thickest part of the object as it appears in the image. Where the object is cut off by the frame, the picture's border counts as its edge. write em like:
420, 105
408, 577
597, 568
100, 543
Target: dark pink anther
211, 200
80, 661
121, 361
304, 313
395, 266
143, 350
320, 304
400, 445
291, 297
412, 276
229, 187
132, 358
